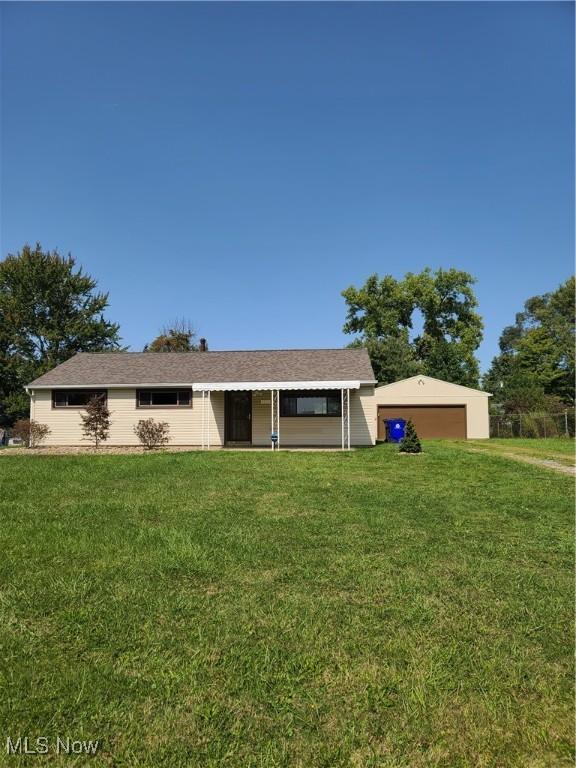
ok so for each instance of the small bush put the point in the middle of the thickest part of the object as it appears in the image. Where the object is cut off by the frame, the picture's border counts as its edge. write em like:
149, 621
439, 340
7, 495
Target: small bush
549, 427
96, 420
31, 432
411, 442
152, 433
528, 426
540, 425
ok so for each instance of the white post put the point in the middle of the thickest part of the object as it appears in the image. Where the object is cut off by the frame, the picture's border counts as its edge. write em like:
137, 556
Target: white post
348, 417
566, 430
278, 418
203, 416
275, 417
342, 414
209, 415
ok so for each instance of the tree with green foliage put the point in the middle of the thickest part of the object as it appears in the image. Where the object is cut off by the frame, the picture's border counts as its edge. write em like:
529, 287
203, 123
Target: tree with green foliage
178, 336
49, 310
410, 443
535, 368
382, 311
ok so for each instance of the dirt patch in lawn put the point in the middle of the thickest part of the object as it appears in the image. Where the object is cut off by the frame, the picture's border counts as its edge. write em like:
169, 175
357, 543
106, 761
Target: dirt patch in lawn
546, 463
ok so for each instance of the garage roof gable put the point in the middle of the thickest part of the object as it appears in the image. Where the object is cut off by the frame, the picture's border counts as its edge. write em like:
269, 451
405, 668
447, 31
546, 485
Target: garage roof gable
429, 386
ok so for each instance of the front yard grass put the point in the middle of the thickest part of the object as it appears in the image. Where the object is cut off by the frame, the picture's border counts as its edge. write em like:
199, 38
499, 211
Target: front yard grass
560, 449
298, 609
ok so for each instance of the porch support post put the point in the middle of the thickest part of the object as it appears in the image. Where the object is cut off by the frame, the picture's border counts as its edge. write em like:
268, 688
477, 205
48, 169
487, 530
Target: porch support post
278, 417
275, 416
209, 415
342, 415
203, 418
348, 418
345, 406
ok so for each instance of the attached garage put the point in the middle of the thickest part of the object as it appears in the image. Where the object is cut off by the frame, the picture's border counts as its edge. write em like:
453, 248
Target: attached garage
438, 408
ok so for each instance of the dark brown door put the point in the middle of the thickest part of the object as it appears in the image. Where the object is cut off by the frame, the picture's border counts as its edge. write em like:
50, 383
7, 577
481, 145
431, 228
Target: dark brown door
238, 417
430, 420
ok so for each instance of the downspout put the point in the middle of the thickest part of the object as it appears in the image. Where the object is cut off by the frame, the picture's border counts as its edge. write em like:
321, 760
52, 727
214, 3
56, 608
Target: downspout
32, 402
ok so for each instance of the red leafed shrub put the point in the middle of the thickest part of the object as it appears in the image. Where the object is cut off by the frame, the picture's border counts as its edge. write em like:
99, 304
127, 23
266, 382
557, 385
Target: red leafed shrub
96, 420
31, 432
152, 433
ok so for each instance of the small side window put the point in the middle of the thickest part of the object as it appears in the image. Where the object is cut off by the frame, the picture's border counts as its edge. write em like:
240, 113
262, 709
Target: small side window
75, 398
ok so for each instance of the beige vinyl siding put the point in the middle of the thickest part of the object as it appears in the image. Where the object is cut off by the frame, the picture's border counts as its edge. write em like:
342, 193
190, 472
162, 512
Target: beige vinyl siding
185, 423
311, 431
261, 418
363, 416
316, 431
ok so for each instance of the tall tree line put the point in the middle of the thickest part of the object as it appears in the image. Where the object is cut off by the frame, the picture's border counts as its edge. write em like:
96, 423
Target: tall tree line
423, 323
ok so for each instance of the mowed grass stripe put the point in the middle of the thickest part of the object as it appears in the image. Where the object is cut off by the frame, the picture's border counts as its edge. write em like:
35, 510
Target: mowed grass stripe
302, 609
559, 449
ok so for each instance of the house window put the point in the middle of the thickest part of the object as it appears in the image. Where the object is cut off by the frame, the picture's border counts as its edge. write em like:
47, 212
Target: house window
75, 398
311, 403
164, 398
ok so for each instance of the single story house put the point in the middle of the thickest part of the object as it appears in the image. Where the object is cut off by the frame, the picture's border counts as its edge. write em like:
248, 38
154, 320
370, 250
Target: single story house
305, 397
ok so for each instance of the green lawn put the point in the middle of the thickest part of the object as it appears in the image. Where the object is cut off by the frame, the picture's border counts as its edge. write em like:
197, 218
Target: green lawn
560, 449
298, 609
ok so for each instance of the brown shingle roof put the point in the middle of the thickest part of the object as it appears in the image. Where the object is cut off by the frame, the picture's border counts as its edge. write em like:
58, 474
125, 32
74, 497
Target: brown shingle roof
106, 369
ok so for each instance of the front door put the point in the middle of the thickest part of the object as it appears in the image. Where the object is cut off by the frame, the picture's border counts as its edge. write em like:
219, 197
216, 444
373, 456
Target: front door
239, 417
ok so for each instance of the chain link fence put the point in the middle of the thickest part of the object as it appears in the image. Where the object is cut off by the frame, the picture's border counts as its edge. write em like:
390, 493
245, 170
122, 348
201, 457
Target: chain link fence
532, 424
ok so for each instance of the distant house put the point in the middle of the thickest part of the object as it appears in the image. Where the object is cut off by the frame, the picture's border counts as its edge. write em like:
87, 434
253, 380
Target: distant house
305, 397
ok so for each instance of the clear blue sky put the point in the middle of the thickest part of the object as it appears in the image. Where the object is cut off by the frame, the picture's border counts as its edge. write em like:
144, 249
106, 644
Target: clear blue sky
240, 164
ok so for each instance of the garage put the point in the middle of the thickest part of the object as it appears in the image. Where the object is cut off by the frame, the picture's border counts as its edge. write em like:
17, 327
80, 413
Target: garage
439, 409
430, 420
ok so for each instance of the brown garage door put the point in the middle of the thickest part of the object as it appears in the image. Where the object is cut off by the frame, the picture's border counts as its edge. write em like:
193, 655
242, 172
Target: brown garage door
429, 420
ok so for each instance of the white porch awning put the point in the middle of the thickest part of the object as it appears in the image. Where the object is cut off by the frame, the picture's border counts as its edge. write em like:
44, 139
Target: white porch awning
261, 386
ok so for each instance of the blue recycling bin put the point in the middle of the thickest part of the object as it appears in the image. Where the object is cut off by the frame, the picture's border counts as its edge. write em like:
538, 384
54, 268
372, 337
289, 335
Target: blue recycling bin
395, 430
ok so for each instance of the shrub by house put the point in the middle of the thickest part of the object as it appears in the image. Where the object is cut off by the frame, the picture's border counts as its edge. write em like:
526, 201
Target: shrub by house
151, 433
96, 420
